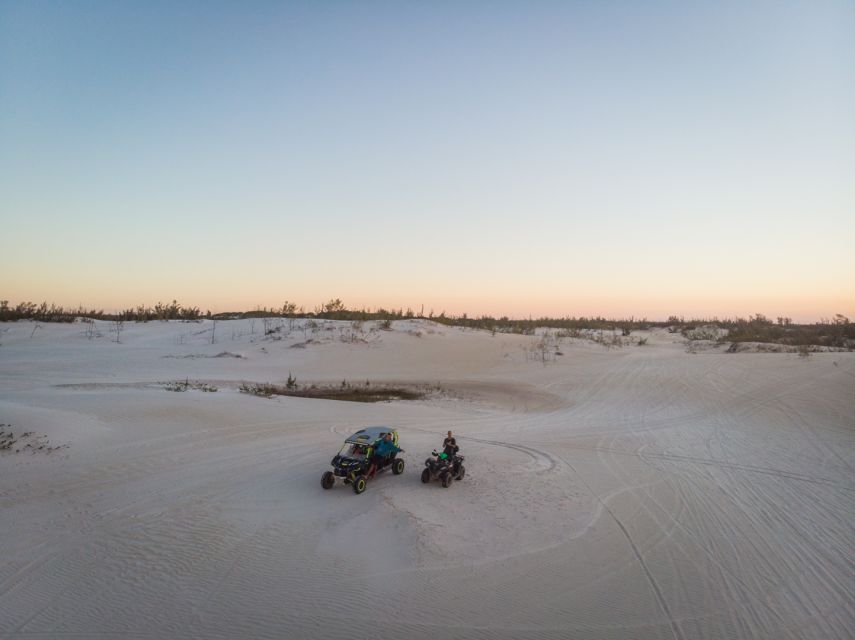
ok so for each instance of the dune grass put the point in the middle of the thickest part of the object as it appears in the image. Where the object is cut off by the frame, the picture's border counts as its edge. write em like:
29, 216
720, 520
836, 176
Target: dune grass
345, 392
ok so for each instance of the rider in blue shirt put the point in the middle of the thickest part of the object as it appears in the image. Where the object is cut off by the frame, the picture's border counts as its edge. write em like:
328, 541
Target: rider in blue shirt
382, 450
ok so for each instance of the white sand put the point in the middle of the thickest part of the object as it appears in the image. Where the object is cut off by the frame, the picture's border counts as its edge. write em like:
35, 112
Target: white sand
640, 492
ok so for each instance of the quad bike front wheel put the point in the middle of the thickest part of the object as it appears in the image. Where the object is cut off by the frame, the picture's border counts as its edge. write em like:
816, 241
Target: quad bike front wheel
461, 472
327, 480
398, 467
446, 479
359, 485
426, 476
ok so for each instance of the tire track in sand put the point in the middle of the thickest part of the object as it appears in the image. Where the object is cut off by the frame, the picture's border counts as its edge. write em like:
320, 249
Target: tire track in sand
546, 461
721, 464
660, 599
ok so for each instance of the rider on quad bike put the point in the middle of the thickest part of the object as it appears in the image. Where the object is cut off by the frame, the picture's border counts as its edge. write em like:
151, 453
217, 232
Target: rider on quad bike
449, 445
445, 466
450, 449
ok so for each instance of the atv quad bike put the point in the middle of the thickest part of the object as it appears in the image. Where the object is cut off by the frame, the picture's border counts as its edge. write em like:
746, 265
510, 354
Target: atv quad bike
443, 468
353, 460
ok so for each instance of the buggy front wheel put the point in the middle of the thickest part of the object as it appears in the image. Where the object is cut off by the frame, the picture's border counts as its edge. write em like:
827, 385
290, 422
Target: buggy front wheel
327, 480
359, 485
398, 467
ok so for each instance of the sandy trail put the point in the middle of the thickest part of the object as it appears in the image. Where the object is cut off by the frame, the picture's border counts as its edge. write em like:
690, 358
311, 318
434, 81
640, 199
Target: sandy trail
639, 492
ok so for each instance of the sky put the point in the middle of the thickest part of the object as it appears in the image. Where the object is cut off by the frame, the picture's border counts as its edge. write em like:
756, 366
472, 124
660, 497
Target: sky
503, 158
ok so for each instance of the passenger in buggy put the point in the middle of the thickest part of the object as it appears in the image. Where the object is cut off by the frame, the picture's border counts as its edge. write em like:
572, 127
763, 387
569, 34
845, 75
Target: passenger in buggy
382, 450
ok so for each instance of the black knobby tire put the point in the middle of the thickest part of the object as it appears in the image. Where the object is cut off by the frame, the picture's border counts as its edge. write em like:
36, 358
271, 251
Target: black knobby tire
461, 472
426, 476
446, 479
327, 480
359, 484
397, 467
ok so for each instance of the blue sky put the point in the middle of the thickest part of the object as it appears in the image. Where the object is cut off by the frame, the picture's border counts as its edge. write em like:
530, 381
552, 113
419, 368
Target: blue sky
510, 158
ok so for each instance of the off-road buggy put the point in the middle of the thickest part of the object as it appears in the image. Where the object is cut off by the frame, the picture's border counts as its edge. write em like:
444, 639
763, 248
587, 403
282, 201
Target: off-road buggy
353, 460
443, 468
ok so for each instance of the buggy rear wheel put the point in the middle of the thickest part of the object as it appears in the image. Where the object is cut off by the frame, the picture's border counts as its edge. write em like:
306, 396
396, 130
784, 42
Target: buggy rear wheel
426, 476
327, 480
397, 467
359, 485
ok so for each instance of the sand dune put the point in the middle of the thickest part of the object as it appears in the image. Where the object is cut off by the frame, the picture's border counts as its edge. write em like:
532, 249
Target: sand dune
640, 492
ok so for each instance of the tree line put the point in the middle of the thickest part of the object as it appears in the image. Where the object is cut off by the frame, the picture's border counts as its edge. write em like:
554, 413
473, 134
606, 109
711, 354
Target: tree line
838, 331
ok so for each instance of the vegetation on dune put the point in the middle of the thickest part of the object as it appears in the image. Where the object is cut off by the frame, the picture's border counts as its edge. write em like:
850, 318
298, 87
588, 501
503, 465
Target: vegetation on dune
43, 313
188, 385
345, 392
837, 332
54, 313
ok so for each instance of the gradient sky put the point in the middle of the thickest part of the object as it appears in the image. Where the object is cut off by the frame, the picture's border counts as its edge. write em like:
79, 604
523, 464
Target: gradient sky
560, 158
